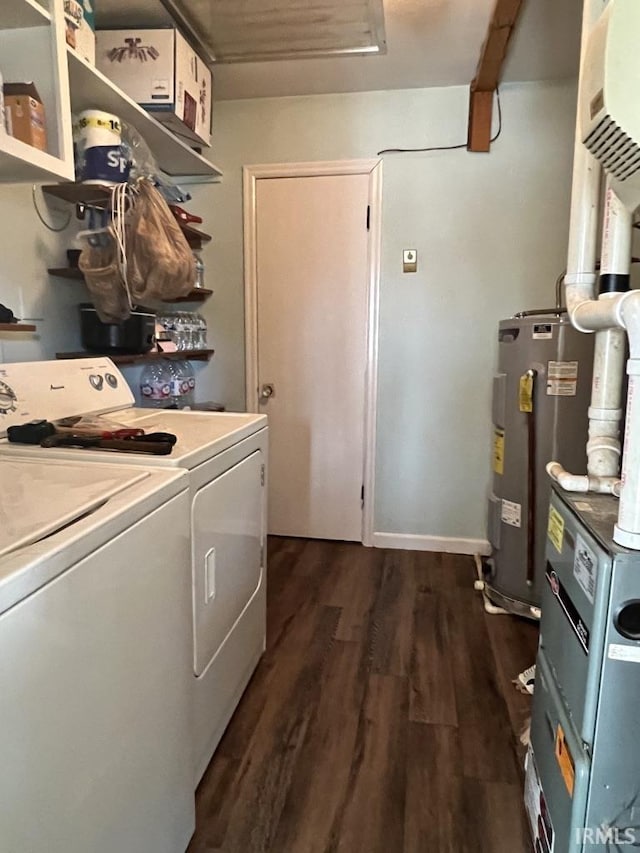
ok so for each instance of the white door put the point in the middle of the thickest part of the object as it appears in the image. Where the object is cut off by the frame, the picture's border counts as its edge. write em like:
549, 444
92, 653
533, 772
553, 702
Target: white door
312, 284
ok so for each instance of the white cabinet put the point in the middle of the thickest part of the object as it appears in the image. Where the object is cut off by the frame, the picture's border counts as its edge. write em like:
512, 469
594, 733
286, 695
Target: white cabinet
33, 48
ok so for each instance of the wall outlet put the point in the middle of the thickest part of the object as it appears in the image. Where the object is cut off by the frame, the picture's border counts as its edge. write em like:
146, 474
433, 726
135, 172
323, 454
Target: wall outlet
410, 260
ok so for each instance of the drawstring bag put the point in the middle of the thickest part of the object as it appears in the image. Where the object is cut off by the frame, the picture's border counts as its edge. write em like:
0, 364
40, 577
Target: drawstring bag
143, 258
160, 264
99, 265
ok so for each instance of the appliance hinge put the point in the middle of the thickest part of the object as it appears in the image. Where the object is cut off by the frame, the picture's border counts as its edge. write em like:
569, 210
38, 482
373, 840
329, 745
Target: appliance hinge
262, 475
362, 495
368, 217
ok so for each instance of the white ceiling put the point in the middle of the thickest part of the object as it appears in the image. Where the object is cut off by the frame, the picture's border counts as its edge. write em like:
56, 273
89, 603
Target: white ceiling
430, 43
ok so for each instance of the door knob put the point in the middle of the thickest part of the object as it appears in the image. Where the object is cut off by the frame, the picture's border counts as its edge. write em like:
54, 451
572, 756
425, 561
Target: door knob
267, 391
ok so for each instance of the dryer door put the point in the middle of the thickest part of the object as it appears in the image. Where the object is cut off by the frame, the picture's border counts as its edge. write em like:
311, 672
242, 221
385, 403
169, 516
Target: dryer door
228, 549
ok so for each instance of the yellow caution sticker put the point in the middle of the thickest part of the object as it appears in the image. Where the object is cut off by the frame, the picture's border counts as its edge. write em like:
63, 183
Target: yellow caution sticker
498, 450
525, 395
555, 530
565, 761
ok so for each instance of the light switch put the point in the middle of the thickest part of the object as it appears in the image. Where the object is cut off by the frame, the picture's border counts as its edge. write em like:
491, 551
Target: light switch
410, 260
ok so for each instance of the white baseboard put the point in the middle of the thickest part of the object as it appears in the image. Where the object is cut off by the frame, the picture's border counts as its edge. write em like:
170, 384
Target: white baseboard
443, 544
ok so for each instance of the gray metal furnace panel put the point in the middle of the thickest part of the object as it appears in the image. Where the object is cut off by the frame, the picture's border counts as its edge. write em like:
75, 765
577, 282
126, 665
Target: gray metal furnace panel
577, 580
566, 798
591, 698
562, 360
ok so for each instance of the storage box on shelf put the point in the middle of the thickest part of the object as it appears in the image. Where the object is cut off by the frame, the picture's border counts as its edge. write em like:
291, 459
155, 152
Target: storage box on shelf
90, 89
34, 49
160, 70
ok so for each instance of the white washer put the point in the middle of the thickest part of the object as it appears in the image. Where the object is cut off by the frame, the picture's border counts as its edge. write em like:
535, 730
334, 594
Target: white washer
226, 456
95, 711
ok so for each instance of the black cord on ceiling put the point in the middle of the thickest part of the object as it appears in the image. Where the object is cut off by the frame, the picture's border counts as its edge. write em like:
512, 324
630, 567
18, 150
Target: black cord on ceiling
446, 147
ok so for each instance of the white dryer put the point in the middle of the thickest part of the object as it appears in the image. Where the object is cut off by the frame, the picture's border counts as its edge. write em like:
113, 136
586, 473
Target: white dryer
226, 457
95, 711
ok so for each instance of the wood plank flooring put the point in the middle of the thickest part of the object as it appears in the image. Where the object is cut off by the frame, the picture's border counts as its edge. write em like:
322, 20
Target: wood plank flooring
382, 718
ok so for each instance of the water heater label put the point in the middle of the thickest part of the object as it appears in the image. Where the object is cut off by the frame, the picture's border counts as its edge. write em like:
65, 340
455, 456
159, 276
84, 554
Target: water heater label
511, 513
542, 332
585, 566
498, 450
562, 378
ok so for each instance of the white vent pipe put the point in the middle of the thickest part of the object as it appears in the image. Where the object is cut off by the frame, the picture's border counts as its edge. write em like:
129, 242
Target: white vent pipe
607, 316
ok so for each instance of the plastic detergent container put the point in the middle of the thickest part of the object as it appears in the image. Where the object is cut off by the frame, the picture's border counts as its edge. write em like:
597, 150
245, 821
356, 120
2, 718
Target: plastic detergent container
100, 155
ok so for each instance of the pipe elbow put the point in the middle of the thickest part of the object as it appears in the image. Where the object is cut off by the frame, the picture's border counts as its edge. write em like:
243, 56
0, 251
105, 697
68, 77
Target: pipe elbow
569, 482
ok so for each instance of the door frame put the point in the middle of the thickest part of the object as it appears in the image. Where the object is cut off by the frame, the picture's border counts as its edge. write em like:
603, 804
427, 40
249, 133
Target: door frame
373, 168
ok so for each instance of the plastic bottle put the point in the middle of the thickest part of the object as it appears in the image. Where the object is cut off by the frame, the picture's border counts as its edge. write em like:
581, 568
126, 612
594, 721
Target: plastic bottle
183, 383
190, 397
155, 385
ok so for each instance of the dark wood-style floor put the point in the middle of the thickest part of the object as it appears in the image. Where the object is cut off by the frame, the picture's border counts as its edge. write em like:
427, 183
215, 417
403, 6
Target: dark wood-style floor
382, 718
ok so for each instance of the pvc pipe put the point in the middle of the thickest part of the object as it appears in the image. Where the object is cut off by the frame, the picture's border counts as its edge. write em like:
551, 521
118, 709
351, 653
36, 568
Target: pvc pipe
617, 233
582, 483
627, 530
605, 414
585, 193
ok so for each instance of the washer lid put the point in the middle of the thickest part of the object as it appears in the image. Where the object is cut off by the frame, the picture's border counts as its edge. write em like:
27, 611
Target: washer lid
39, 498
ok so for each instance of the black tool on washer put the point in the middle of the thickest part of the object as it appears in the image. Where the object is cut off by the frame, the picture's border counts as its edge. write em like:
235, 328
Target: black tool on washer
32, 433
123, 445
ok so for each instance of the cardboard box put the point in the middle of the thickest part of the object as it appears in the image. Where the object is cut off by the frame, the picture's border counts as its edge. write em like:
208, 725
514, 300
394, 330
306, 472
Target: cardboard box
24, 114
160, 71
79, 16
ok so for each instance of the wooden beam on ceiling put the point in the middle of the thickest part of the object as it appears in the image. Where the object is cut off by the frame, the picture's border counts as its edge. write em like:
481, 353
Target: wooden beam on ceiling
489, 71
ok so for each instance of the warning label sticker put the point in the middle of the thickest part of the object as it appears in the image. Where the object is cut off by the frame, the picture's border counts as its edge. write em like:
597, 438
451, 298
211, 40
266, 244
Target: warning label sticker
565, 761
562, 378
585, 566
630, 654
555, 530
511, 513
498, 450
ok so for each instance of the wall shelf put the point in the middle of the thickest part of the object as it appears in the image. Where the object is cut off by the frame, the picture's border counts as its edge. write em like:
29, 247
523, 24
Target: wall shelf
17, 327
99, 195
67, 272
90, 88
183, 355
96, 195
195, 238
198, 294
22, 163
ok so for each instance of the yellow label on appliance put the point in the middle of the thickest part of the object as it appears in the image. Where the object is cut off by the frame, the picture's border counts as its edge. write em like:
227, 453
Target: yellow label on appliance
498, 450
525, 395
555, 530
565, 761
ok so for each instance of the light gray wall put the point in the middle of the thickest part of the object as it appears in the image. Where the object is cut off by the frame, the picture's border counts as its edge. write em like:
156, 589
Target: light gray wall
491, 231
27, 249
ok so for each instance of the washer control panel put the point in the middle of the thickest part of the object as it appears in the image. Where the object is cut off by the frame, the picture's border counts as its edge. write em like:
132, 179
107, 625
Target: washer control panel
51, 390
